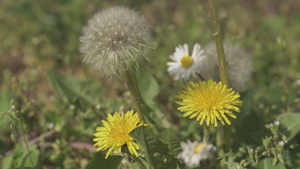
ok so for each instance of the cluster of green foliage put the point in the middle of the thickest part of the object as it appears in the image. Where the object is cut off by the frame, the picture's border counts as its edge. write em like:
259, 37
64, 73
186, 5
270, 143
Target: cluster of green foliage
39, 37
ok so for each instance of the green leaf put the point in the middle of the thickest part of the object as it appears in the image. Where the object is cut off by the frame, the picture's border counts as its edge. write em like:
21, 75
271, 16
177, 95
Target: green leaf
293, 157
7, 161
4, 101
167, 137
289, 124
249, 131
154, 149
148, 87
267, 164
21, 156
78, 91
99, 161
4, 107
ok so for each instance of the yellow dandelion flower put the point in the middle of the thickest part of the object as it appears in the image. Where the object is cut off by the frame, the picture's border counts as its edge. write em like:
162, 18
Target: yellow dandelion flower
209, 101
115, 133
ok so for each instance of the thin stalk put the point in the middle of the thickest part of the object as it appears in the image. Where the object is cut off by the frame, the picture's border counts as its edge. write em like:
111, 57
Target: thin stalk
200, 76
219, 140
135, 95
21, 130
222, 66
219, 43
205, 133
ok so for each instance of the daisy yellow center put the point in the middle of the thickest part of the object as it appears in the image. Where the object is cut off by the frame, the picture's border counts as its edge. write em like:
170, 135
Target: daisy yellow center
198, 147
186, 61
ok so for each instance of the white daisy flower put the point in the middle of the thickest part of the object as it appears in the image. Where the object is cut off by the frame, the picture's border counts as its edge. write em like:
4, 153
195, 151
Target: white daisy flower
194, 152
184, 65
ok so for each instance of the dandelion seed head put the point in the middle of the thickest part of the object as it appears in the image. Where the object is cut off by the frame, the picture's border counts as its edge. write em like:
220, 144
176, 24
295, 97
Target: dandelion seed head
239, 65
115, 40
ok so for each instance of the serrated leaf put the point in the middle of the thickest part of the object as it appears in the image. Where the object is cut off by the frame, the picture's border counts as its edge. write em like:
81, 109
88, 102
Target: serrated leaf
99, 161
267, 164
289, 124
78, 91
167, 137
150, 145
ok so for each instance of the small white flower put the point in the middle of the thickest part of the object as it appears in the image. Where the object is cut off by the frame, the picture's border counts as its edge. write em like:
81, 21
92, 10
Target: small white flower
281, 143
194, 152
185, 65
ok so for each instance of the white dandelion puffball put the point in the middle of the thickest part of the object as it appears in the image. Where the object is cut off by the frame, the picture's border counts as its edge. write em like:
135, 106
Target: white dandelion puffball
115, 40
194, 152
184, 65
239, 65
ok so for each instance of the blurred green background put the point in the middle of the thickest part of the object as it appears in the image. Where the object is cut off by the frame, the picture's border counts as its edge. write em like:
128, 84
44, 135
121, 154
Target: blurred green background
37, 36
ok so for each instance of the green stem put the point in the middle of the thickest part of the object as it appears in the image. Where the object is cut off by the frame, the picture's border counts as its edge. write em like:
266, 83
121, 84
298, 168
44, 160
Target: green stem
219, 140
219, 43
205, 133
21, 130
222, 66
135, 95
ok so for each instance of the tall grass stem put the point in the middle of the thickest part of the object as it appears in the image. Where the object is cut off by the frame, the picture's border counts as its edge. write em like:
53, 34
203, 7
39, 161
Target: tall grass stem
223, 70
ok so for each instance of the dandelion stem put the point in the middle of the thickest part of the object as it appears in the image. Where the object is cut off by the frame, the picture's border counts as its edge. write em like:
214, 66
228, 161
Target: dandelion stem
219, 43
222, 67
135, 95
219, 140
205, 133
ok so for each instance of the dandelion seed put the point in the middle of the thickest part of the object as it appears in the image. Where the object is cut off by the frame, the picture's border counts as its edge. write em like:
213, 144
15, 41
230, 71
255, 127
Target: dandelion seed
185, 65
209, 101
115, 133
122, 44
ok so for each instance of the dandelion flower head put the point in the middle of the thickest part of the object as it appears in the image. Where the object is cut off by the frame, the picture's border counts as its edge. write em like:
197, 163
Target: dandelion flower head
184, 65
115, 133
115, 40
209, 101
194, 152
